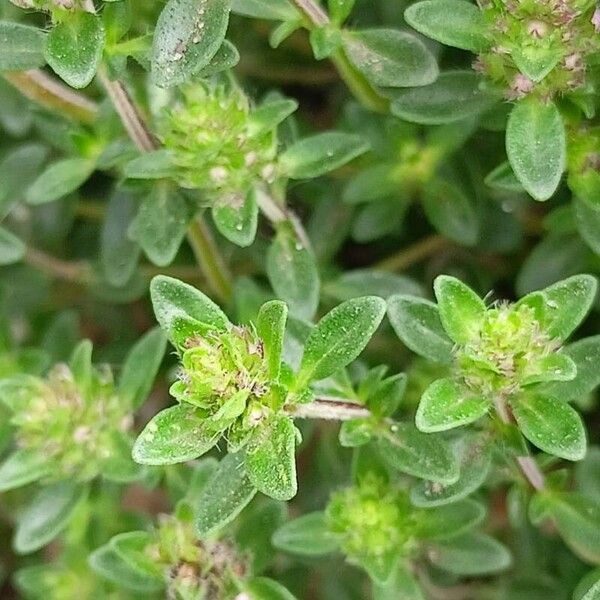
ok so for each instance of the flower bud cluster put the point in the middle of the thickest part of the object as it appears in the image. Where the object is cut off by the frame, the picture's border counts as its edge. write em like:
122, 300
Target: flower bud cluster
225, 375
539, 47
508, 348
215, 145
372, 520
193, 568
75, 430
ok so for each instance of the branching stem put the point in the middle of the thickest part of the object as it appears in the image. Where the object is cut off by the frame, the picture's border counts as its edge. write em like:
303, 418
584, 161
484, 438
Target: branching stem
329, 409
407, 257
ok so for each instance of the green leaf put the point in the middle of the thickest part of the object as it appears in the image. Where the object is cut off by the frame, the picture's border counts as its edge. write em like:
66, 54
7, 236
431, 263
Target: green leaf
109, 564
340, 336
151, 165
263, 588
577, 518
176, 434
386, 397
474, 457
471, 555
451, 211
503, 178
173, 300
379, 566
567, 304
554, 367
80, 364
461, 309
188, 34
307, 535
536, 146
270, 326
369, 282
227, 57
140, 367
536, 61
132, 548
449, 521
270, 114
446, 404
455, 95
276, 10
22, 467
391, 58
160, 224
586, 356
21, 47
236, 217
408, 450
74, 48
320, 153
47, 515
12, 249
59, 179
293, 273
356, 432
550, 424
587, 217
403, 584
417, 323
119, 255
225, 495
593, 590
452, 22
271, 460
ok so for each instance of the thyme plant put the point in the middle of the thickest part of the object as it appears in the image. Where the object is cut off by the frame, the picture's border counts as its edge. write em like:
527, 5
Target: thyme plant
298, 299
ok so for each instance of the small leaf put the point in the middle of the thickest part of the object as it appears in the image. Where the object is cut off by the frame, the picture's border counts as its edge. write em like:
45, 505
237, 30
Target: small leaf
160, 224
550, 424
369, 282
74, 48
449, 521
318, 154
132, 547
225, 495
586, 356
403, 584
408, 450
356, 432
474, 457
271, 461
227, 57
386, 397
80, 364
263, 588
109, 564
471, 555
567, 304
276, 10
172, 299
554, 367
340, 336
188, 34
12, 249
59, 179
452, 22
236, 218
21, 47
446, 404
118, 254
140, 368
46, 515
451, 211
22, 467
391, 58
453, 96
417, 323
536, 146
270, 326
461, 309
270, 114
176, 434
293, 273
504, 178
592, 592
577, 518
151, 165
307, 535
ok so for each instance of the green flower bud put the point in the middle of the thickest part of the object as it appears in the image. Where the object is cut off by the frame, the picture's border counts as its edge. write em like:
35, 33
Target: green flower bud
226, 375
75, 430
215, 145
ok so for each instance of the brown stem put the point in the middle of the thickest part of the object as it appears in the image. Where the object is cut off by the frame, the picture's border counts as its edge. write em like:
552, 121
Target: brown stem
330, 409
313, 12
413, 254
46, 91
77, 272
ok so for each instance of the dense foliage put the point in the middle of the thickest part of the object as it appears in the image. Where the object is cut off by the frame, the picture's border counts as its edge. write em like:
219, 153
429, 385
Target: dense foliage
299, 299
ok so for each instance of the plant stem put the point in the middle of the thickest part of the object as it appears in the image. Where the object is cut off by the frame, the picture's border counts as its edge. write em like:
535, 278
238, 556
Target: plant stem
413, 254
52, 94
76, 272
212, 264
357, 83
329, 409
